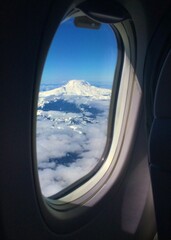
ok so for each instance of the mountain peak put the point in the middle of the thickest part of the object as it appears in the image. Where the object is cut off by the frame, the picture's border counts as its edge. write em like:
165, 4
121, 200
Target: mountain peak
75, 88
78, 87
77, 83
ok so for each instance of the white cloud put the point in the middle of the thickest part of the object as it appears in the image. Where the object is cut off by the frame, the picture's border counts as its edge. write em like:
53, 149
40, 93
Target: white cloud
60, 134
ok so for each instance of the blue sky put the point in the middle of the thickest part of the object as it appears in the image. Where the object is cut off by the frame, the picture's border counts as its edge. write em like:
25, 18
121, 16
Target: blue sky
83, 54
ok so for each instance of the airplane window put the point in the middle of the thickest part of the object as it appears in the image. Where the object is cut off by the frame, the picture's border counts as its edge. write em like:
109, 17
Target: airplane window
73, 104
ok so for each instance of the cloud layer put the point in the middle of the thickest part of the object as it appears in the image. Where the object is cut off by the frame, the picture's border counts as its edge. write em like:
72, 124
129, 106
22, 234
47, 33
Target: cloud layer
69, 143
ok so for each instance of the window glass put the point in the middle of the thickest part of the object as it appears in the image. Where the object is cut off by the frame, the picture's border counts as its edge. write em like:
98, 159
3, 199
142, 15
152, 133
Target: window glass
73, 104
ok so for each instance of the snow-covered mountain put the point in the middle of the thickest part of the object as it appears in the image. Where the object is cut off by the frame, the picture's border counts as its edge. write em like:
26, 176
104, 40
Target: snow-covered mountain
71, 133
74, 88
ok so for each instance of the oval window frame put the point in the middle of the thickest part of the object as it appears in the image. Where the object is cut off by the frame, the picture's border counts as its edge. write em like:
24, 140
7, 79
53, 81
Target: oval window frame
69, 208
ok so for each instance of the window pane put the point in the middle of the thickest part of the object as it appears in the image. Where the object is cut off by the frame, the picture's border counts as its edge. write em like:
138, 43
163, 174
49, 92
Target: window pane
73, 104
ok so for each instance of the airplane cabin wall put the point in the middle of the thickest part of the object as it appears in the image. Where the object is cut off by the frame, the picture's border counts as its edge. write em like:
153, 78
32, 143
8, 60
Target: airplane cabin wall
22, 25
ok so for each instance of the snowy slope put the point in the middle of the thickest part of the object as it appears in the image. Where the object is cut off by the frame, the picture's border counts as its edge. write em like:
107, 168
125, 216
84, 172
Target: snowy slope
74, 88
72, 125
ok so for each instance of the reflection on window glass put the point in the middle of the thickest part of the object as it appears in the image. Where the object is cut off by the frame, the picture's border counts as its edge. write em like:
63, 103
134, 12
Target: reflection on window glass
73, 104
